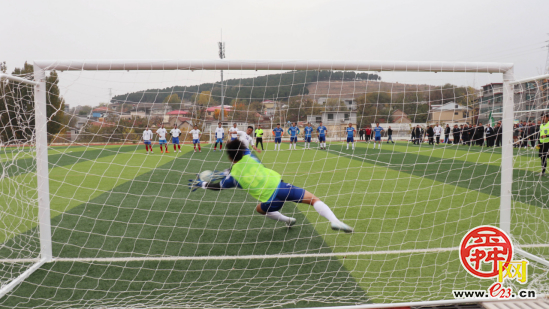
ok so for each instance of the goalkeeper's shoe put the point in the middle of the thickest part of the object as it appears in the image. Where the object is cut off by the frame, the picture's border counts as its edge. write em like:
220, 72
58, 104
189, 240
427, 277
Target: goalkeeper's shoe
340, 226
291, 222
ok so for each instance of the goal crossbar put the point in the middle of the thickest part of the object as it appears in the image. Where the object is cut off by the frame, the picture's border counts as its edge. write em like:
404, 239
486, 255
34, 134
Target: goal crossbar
406, 66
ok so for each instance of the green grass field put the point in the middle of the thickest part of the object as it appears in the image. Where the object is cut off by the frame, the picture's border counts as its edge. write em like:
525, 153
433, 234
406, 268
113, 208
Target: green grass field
404, 202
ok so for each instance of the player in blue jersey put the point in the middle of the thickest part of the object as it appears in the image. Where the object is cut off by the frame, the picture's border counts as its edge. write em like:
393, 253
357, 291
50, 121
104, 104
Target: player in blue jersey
293, 131
377, 131
278, 132
322, 131
308, 131
350, 135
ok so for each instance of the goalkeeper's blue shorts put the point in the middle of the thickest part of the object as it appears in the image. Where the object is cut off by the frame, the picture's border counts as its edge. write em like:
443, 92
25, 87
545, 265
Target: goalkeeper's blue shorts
284, 193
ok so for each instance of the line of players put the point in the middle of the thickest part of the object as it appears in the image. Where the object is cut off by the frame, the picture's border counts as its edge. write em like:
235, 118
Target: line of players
196, 134
234, 133
174, 133
322, 131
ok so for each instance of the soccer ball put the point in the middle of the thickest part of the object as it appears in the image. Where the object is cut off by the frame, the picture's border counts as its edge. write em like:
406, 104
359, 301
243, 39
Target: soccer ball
206, 176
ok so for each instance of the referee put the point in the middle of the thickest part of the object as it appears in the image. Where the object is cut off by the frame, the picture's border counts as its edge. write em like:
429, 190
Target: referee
544, 142
259, 136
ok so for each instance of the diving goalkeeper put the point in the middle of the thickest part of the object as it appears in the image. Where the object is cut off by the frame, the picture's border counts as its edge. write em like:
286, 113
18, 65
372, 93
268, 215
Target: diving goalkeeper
265, 185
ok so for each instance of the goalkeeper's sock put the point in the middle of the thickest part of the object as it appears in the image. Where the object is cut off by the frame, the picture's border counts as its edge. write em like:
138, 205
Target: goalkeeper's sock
325, 211
275, 215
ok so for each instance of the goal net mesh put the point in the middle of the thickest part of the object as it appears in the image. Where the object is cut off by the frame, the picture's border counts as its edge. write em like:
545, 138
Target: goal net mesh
127, 231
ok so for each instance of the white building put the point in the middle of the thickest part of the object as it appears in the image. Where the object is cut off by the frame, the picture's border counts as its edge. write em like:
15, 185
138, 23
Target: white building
333, 117
350, 103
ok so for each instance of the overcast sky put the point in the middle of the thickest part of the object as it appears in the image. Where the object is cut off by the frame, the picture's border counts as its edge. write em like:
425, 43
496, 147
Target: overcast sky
495, 31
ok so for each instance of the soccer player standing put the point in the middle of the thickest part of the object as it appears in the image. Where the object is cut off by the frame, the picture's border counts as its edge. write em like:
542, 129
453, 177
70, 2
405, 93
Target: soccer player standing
377, 131
266, 185
147, 136
390, 135
350, 135
196, 137
308, 131
259, 136
175, 132
162, 138
277, 132
293, 131
322, 131
544, 142
219, 136
438, 132
232, 132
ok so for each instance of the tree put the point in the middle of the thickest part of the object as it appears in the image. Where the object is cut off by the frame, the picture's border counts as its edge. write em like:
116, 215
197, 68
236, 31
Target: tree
17, 112
217, 114
256, 106
85, 110
373, 107
205, 99
173, 101
300, 108
239, 111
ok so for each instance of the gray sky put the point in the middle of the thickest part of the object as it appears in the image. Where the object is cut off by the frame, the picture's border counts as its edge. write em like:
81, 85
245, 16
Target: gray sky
495, 31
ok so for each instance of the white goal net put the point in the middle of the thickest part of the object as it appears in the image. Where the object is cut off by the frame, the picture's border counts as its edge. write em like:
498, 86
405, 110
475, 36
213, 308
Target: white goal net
126, 230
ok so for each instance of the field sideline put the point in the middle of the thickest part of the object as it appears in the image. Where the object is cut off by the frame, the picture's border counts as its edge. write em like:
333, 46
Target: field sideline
117, 201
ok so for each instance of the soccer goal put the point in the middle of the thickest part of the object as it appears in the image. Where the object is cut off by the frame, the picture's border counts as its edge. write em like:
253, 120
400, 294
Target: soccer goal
410, 154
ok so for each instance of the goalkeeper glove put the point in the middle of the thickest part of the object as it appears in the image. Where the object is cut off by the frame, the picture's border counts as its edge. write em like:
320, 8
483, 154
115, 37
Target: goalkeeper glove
195, 184
217, 175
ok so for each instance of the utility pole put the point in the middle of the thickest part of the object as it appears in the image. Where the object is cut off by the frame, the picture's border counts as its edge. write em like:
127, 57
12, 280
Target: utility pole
547, 60
221, 46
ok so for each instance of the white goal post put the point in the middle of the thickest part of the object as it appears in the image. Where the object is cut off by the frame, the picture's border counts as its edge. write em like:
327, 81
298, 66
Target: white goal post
40, 91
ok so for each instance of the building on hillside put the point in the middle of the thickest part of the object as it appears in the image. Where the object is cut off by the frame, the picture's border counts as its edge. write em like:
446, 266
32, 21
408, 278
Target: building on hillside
270, 107
400, 117
101, 112
450, 112
210, 111
531, 99
350, 103
333, 117
175, 114
183, 123
490, 101
161, 111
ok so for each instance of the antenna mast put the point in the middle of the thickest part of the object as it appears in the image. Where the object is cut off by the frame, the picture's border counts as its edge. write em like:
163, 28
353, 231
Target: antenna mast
221, 46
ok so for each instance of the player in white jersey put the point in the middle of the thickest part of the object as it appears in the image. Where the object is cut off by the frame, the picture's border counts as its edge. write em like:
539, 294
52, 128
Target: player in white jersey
438, 132
219, 135
232, 132
175, 132
196, 137
147, 136
247, 140
162, 138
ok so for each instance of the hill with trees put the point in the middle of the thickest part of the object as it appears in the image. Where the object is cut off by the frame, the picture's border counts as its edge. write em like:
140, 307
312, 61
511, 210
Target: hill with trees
278, 86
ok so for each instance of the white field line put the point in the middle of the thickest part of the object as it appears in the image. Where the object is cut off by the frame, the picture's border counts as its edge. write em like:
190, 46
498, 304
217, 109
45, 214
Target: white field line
248, 257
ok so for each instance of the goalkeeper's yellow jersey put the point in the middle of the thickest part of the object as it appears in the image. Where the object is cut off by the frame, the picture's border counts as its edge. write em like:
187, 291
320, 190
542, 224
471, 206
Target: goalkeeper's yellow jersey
259, 181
